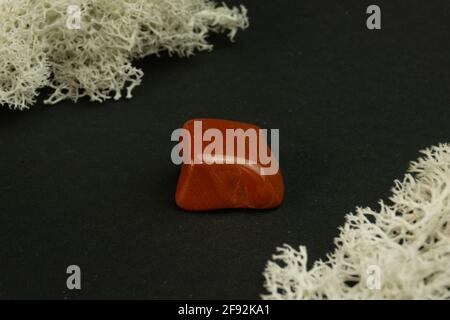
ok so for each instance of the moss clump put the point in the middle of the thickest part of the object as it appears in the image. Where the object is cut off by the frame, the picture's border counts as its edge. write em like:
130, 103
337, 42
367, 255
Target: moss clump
39, 49
401, 251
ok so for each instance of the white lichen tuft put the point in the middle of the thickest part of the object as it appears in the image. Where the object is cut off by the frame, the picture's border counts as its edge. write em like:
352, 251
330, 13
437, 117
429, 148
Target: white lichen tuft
400, 252
39, 48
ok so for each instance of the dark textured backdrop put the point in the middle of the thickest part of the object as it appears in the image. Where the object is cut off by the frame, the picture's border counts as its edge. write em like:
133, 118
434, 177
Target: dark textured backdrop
92, 184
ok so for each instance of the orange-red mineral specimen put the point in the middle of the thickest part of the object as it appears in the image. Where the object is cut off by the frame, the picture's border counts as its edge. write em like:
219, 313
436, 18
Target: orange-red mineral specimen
217, 174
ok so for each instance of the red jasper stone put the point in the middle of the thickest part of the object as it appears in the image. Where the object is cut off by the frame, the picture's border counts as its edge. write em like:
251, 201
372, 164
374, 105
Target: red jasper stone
206, 186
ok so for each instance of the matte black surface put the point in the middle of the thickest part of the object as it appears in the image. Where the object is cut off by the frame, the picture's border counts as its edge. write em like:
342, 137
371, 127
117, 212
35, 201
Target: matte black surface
93, 185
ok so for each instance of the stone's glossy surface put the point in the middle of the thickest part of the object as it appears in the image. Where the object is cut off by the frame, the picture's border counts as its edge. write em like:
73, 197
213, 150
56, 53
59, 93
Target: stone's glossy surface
220, 186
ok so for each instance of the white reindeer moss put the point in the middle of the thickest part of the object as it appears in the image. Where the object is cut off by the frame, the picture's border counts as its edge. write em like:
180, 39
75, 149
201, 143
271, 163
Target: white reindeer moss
407, 244
38, 49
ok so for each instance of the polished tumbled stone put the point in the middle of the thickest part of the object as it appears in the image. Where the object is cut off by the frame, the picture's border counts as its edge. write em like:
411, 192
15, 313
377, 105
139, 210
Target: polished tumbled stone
204, 186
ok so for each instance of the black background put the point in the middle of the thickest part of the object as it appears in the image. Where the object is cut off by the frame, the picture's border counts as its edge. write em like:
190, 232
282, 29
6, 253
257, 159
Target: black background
93, 185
